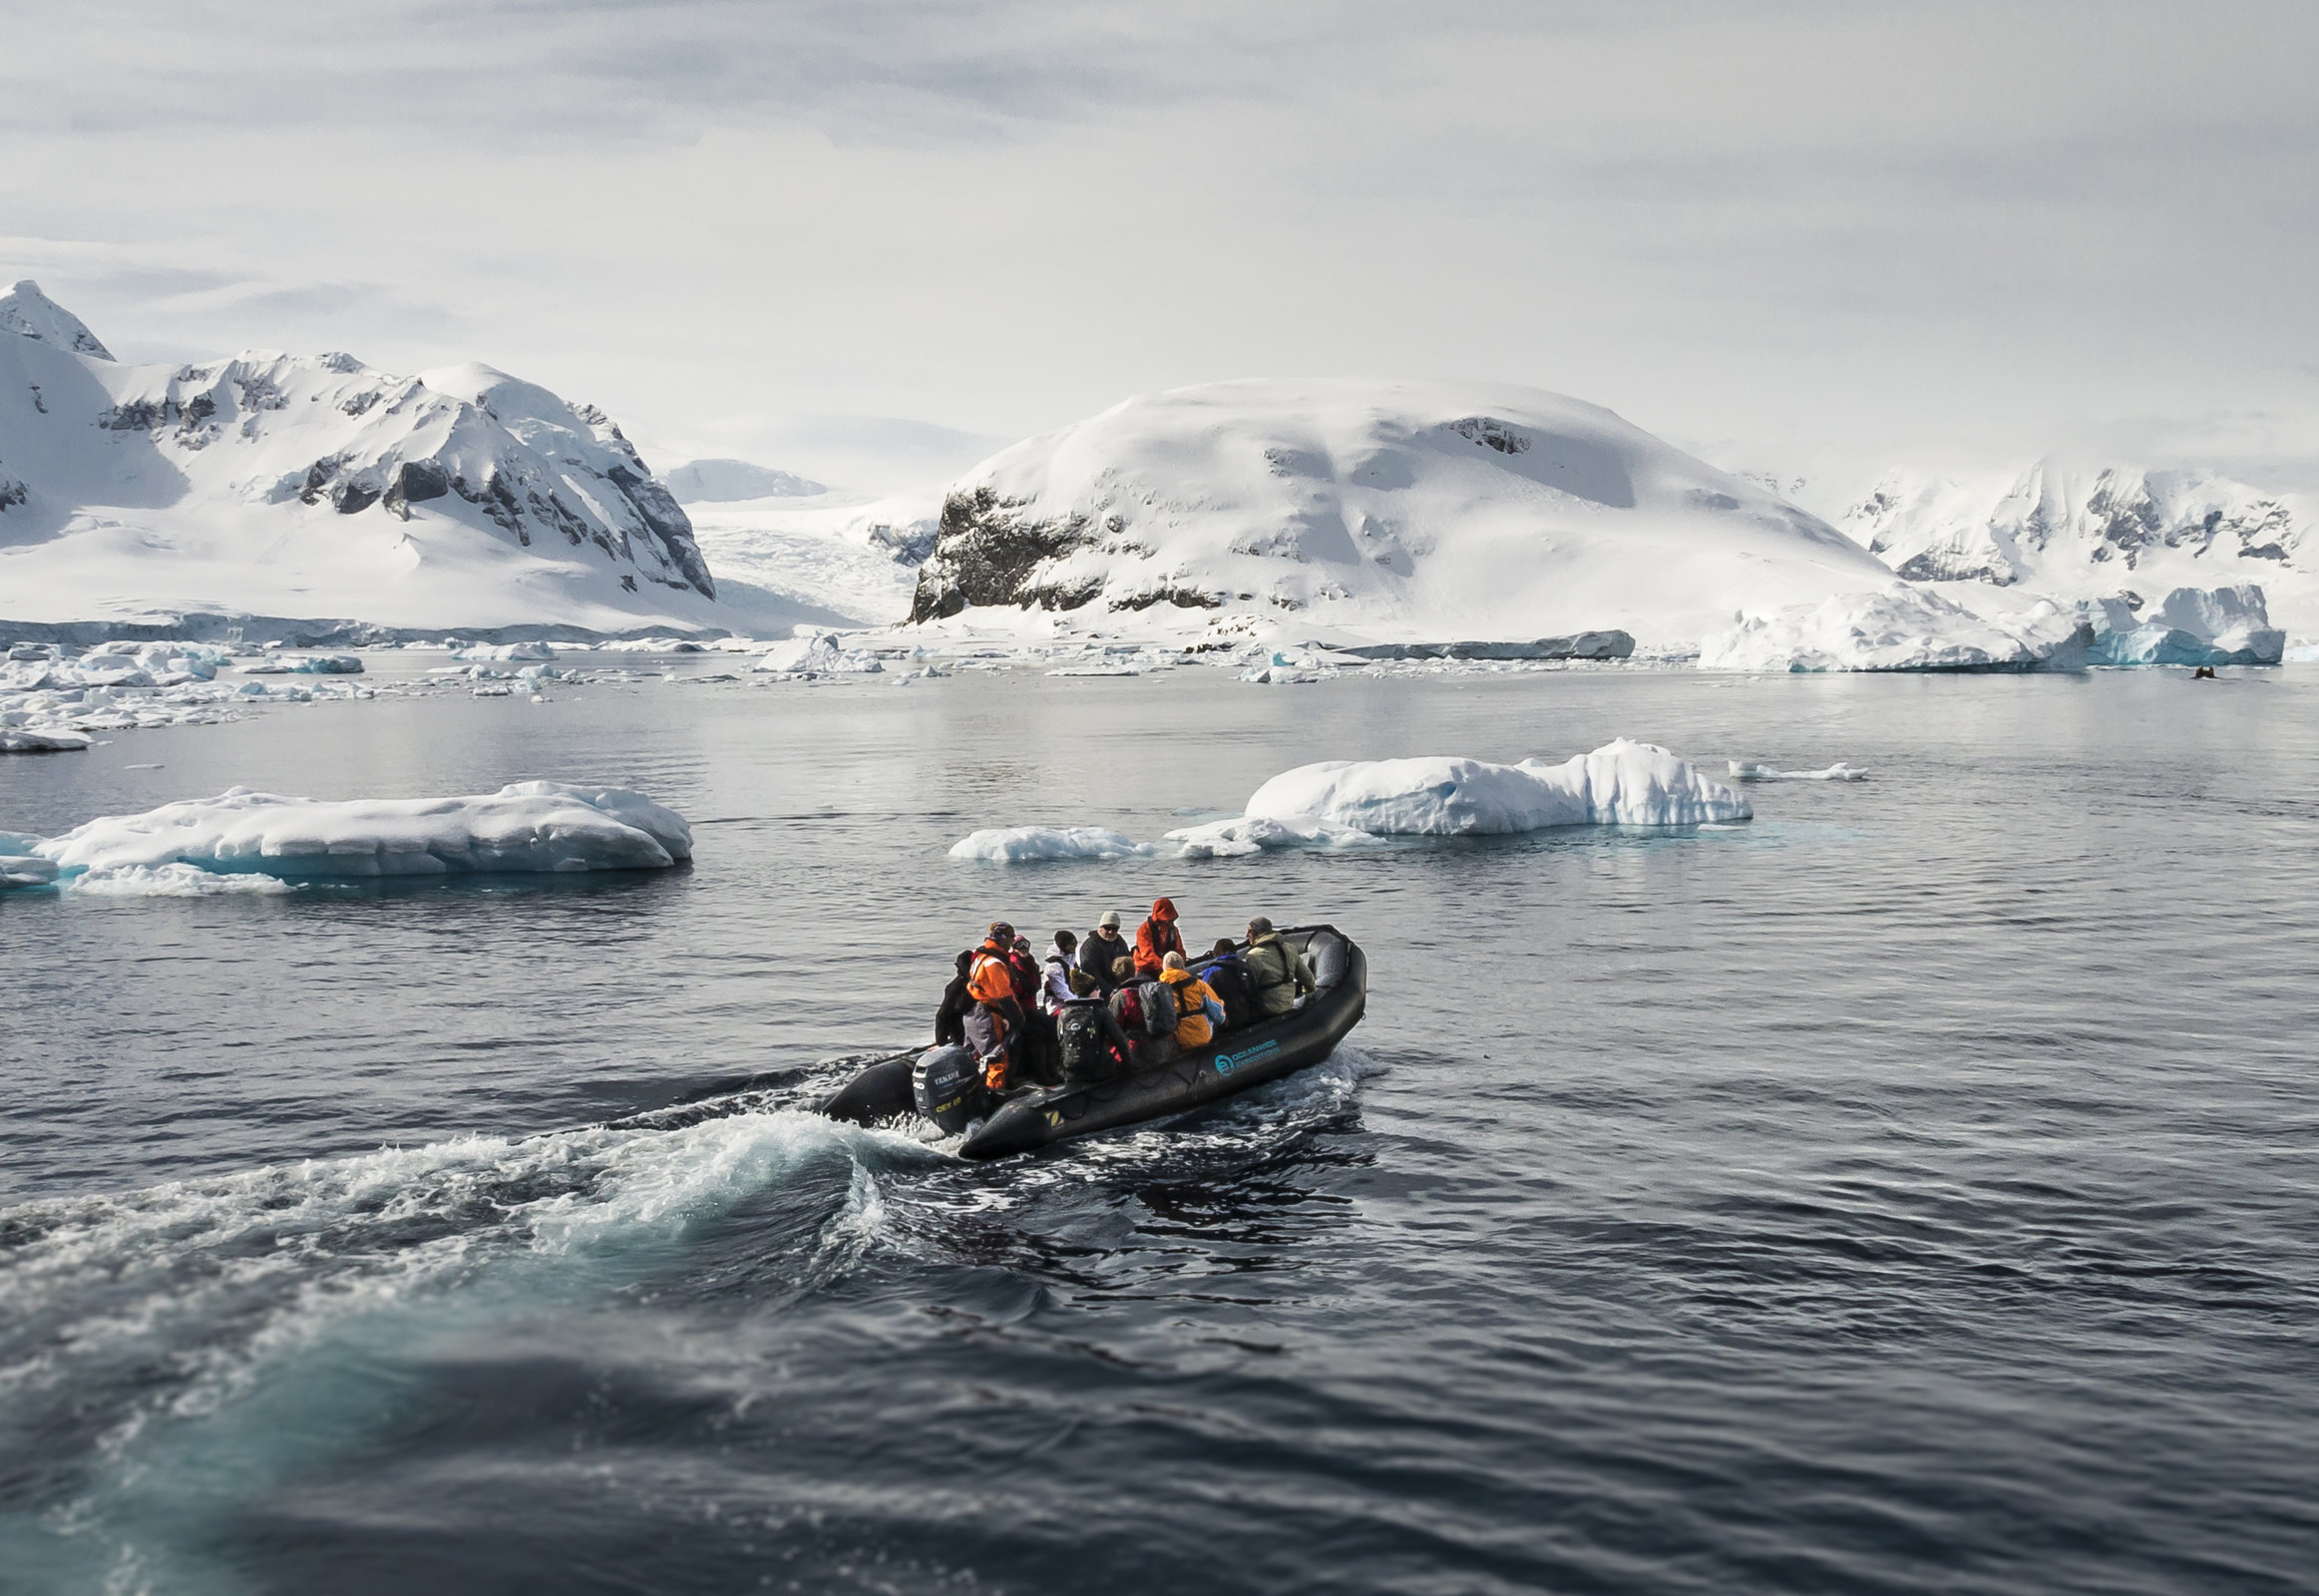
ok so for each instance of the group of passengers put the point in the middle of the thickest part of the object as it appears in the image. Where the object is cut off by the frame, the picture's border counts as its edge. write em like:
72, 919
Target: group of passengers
1100, 1005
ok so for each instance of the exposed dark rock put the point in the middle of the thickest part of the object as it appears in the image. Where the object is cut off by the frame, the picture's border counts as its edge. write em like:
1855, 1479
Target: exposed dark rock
912, 547
1181, 598
659, 511
498, 500
1492, 433
986, 554
349, 497
319, 477
140, 415
1950, 564
415, 482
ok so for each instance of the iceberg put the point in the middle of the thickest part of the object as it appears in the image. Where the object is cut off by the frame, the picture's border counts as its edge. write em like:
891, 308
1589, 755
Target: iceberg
526, 826
1622, 783
1015, 845
2189, 627
818, 655
1899, 627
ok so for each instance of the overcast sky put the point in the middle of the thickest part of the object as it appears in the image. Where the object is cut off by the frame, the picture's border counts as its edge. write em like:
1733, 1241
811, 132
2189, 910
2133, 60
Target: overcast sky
867, 239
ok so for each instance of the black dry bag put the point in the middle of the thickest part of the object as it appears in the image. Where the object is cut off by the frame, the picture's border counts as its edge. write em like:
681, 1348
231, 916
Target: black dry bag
948, 1086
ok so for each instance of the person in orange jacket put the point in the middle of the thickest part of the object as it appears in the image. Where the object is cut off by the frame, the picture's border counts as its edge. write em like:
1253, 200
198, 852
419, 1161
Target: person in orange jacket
1194, 1027
1157, 938
995, 1023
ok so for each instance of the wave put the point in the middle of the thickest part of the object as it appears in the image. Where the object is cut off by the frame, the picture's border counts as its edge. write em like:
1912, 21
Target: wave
201, 1341
207, 1337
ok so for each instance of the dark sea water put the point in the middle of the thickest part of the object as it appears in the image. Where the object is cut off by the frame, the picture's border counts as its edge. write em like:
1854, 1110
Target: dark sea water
1911, 1191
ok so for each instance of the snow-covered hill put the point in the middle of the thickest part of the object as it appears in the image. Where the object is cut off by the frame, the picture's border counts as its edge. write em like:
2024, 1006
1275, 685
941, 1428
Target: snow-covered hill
310, 485
2095, 531
1389, 510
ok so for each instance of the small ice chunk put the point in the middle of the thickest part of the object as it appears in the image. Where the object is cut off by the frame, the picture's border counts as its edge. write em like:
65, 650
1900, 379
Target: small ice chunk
1014, 845
26, 869
1249, 834
171, 881
1742, 770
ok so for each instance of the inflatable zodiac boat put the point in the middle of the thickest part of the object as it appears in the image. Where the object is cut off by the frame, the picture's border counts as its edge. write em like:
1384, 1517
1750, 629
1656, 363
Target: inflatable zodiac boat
1033, 1116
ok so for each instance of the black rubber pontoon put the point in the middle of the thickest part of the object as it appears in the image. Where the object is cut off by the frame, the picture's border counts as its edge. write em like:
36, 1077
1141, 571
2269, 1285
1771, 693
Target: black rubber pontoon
1237, 1061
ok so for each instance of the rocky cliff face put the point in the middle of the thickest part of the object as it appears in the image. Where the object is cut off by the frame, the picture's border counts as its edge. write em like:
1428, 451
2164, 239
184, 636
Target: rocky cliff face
989, 552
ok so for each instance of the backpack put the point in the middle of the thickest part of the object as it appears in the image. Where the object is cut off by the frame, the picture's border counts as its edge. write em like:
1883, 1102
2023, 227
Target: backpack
1228, 978
1160, 1009
1087, 1054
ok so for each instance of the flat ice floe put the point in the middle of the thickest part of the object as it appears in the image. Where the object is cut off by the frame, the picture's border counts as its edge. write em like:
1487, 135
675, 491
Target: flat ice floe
1340, 802
1744, 770
527, 826
1011, 845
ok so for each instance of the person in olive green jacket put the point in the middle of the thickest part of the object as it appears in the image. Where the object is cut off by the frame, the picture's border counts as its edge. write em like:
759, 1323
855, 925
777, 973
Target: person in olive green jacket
1278, 971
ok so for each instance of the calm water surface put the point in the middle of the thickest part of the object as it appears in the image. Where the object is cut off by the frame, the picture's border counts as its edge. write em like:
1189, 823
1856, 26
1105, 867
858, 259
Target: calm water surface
1910, 1191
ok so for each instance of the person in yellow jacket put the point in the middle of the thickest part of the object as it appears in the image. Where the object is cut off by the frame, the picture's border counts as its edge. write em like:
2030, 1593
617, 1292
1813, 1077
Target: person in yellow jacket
1193, 997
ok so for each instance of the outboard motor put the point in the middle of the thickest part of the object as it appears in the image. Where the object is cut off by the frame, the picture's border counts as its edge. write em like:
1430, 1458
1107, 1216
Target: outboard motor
947, 1088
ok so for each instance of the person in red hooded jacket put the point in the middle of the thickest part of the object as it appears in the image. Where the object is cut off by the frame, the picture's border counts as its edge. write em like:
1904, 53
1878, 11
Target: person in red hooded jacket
1157, 938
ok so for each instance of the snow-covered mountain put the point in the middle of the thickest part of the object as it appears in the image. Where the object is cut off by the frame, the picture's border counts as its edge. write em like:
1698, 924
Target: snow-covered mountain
1391, 510
721, 481
2094, 531
310, 485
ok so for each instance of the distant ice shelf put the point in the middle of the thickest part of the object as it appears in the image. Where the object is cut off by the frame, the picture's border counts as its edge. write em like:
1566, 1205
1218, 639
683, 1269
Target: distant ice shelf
1906, 628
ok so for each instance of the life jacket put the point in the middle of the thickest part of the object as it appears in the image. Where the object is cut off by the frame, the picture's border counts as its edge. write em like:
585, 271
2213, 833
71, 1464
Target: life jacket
1028, 979
991, 979
1127, 1008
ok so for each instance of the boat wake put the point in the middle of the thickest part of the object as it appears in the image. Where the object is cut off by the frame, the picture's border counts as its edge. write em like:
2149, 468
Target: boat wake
168, 1354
